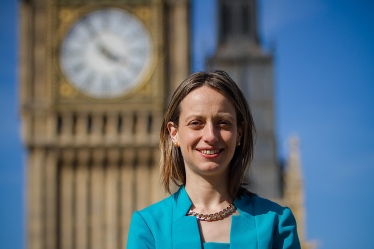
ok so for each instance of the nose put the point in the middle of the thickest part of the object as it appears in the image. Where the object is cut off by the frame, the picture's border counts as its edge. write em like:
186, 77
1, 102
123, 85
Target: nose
210, 133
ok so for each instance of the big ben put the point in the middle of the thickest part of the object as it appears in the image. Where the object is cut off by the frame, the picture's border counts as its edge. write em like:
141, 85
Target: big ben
94, 79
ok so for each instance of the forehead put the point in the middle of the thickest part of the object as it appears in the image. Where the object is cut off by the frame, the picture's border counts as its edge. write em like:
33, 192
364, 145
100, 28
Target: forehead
208, 100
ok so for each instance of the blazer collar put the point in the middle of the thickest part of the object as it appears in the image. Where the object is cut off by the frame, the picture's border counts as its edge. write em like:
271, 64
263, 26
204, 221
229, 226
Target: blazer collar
186, 231
182, 203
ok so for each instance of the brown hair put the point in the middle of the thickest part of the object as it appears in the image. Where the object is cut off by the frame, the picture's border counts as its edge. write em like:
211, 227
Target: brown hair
172, 164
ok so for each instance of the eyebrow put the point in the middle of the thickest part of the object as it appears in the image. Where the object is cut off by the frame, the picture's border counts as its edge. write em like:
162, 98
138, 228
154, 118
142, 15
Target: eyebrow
193, 116
220, 115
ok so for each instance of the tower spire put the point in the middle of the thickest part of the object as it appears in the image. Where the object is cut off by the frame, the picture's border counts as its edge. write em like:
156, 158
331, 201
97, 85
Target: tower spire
294, 189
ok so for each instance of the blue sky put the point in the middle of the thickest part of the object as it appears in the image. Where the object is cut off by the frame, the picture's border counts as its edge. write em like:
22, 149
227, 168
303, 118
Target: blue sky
324, 89
12, 212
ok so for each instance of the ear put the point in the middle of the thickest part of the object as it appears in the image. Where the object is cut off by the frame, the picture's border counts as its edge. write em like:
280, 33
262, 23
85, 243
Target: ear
173, 131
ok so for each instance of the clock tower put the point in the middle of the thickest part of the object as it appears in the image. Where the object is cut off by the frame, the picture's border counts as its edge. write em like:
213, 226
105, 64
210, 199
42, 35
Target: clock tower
94, 79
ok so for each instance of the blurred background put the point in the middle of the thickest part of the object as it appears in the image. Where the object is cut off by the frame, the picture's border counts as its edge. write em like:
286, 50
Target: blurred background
324, 93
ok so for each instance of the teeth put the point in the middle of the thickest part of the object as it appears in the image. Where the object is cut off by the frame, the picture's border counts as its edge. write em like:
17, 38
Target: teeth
209, 152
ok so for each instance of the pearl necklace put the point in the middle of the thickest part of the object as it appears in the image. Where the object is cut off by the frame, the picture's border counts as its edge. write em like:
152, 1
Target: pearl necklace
216, 216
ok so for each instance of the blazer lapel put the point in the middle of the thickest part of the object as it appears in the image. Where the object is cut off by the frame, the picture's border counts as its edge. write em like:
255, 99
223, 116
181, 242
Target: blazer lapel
243, 228
185, 230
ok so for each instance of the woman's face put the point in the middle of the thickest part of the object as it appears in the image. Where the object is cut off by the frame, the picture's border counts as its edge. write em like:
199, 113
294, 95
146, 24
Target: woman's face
207, 132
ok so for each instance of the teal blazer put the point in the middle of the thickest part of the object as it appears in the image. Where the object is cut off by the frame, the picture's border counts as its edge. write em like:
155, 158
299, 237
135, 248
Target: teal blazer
260, 224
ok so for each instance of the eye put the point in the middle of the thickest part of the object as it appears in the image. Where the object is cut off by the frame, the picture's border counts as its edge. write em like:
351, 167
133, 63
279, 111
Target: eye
195, 124
225, 124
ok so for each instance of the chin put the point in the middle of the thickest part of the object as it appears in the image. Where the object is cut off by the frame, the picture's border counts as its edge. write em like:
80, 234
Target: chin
213, 169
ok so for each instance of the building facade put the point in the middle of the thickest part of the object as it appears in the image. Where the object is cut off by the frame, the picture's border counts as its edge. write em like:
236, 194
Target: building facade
94, 79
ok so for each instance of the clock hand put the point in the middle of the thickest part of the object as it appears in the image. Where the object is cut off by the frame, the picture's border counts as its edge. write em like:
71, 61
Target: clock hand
107, 53
102, 45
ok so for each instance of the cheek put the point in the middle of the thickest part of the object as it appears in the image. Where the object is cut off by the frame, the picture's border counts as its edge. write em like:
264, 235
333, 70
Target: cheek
229, 137
188, 138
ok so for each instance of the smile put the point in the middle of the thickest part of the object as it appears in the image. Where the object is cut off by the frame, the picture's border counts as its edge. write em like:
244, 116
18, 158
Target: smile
209, 152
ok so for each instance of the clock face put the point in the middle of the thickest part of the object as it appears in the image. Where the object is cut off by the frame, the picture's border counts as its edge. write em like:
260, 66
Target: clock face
106, 53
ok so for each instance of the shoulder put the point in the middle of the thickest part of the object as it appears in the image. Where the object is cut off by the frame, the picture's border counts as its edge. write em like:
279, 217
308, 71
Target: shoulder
157, 210
256, 205
270, 216
262, 205
150, 225
265, 212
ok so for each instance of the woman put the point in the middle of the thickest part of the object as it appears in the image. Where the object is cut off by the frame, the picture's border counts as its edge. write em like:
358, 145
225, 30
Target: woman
206, 146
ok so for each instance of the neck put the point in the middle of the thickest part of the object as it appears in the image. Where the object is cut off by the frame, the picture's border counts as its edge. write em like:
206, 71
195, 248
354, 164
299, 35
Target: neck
208, 194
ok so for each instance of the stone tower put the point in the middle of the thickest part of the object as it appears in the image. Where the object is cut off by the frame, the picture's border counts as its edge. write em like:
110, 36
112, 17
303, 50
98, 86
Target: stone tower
94, 78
